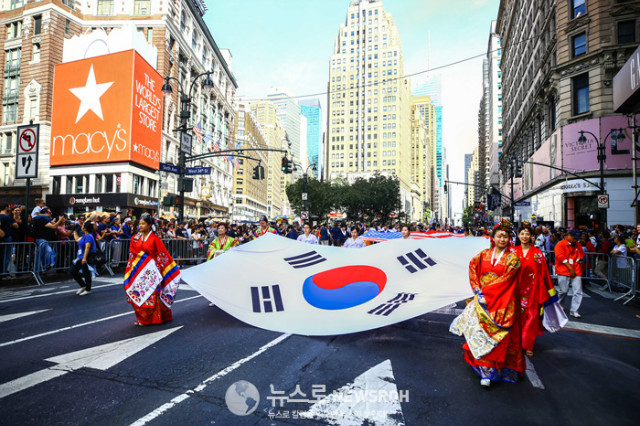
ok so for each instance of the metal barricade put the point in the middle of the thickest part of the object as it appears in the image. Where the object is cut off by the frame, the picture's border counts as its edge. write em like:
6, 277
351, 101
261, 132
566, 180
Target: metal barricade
63, 253
593, 266
187, 251
622, 273
118, 253
18, 259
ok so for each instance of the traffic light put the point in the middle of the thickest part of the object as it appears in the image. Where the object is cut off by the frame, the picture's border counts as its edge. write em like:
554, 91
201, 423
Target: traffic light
518, 169
169, 200
289, 166
445, 188
285, 162
256, 172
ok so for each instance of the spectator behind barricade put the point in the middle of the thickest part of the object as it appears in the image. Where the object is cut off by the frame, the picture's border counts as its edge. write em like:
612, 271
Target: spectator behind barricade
18, 232
64, 231
171, 231
620, 249
245, 233
38, 208
126, 228
233, 231
569, 259
44, 231
85, 259
181, 232
7, 224
588, 249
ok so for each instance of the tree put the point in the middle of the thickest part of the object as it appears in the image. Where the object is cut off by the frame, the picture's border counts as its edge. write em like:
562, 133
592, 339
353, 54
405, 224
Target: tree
467, 216
378, 196
321, 198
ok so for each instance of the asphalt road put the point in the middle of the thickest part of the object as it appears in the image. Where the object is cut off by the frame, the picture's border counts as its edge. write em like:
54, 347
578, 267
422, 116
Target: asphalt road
179, 372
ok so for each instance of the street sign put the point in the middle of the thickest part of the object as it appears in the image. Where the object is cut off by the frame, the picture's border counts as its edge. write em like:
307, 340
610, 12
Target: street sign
523, 204
198, 170
304, 196
304, 215
185, 143
603, 201
27, 151
168, 167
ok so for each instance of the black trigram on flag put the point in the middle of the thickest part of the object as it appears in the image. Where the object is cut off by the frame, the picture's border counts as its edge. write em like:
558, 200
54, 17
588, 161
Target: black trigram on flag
263, 298
416, 260
393, 304
305, 260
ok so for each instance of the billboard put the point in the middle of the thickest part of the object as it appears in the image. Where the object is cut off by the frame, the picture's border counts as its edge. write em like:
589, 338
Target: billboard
106, 109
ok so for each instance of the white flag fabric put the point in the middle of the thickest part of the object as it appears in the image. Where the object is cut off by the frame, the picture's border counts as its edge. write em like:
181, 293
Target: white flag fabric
283, 285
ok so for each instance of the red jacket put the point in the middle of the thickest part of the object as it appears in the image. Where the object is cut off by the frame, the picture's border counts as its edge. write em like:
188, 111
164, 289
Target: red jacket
570, 254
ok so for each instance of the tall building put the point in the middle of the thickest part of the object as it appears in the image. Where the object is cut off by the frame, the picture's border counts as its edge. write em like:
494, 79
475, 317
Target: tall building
266, 115
250, 195
467, 165
423, 120
483, 119
311, 109
555, 86
369, 117
288, 112
36, 36
494, 109
473, 174
432, 87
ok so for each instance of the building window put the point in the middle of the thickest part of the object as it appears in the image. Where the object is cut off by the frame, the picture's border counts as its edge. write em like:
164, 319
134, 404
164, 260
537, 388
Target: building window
142, 7
14, 30
37, 25
105, 8
579, 44
36, 52
580, 94
578, 7
67, 27
626, 32
69, 3
14, 4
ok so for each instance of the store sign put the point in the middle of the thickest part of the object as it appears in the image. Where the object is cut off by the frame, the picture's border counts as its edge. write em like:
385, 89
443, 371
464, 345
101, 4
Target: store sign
106, 109
110, 201
626, 85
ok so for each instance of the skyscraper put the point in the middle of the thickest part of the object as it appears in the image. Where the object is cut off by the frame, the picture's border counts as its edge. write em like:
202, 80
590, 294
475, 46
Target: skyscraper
288, 112
424, 158
369, 118
311, 109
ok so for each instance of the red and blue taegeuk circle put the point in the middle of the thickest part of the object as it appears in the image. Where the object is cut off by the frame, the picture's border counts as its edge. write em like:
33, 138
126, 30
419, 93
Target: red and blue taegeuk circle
344, 287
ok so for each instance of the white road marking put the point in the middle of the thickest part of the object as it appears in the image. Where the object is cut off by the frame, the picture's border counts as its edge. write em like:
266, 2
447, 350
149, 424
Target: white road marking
531, 374
100, 357
57, 292
602, 329
47, 333
10, 317
372, 398
178, 399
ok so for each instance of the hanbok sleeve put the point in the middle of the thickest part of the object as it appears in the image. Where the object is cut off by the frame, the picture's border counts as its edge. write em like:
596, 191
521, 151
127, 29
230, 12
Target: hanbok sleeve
474, 272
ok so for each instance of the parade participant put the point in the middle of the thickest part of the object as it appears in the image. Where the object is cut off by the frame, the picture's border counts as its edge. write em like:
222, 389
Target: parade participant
491, 321
87, 250
264, 228
534, 285
307, 236
406, 232
355, 241
569, 258
152, 277
223, 243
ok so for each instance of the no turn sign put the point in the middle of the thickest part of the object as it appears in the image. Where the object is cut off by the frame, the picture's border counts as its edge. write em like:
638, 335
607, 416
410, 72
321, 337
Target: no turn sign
27, 151
603, 201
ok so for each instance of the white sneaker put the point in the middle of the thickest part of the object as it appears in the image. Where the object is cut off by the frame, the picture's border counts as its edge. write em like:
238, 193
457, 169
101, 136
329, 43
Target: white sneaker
80, 291
485, 382
84, 293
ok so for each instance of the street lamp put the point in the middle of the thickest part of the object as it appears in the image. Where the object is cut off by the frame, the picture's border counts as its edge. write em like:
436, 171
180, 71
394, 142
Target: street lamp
185, 113
305, 178
616, 135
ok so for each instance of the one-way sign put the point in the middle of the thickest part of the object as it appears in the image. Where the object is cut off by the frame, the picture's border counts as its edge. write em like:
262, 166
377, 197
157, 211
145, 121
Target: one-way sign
27, 151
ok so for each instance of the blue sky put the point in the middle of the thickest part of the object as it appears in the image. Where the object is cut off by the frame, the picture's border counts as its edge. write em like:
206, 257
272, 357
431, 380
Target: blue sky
287, 43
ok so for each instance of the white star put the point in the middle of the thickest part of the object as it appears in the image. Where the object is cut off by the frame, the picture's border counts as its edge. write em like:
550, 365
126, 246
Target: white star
89, 95
135, 148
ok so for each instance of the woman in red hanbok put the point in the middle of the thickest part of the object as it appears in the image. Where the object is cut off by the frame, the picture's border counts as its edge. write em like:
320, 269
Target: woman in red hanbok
151, 278
535, 287
491, 321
